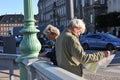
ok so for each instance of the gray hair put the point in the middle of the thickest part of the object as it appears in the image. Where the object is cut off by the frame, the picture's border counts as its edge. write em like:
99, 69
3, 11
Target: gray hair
76, 23
50, 30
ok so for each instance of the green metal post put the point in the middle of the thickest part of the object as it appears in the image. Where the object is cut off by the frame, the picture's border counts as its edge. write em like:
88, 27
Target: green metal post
30, 45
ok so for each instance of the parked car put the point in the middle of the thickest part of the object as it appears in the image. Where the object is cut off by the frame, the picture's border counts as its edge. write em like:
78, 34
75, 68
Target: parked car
100, 40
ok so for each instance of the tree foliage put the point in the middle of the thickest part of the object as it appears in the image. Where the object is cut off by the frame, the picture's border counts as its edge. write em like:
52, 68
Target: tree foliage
108, 20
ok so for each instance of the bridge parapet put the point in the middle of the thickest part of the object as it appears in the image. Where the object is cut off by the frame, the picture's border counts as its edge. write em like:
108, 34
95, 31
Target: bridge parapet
39, 69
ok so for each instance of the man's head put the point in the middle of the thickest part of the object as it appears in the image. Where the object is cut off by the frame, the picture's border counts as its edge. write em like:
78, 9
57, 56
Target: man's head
77, 26
51, 32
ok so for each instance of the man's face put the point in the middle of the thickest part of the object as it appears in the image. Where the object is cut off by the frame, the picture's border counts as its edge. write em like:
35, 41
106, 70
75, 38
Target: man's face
78, 31
83, 30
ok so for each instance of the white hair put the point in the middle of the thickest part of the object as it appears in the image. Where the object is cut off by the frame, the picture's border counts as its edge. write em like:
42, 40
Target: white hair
76, 23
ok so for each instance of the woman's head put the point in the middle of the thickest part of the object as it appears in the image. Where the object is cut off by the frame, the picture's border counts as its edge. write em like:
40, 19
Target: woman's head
51, 32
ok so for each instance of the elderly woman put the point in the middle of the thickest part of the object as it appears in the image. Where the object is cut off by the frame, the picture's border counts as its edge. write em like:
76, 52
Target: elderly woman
51, 32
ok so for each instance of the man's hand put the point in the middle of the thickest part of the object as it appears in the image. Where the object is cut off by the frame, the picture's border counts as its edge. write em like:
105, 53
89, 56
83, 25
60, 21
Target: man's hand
107, 53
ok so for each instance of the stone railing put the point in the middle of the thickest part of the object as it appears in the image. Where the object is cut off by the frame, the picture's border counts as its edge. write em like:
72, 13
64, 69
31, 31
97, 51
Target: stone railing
7, 60
39, 69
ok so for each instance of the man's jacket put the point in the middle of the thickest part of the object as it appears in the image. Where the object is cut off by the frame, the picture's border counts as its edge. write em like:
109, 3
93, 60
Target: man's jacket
70, 54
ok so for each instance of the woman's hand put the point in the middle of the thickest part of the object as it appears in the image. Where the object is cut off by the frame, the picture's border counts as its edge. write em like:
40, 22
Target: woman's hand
43, 54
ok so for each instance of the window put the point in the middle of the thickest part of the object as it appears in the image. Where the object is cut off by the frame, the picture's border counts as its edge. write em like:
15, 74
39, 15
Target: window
91, 2
94, 36
15, 21
91, 18
11, 18
7, 21
102, 1
83, 3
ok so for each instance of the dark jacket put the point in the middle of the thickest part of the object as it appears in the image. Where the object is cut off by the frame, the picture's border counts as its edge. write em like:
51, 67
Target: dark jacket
52, 56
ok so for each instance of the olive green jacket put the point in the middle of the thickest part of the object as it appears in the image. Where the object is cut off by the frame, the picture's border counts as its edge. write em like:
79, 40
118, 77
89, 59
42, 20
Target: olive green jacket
70, 54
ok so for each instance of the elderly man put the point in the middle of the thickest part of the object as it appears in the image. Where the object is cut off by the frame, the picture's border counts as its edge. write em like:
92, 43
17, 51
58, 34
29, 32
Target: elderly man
69, 52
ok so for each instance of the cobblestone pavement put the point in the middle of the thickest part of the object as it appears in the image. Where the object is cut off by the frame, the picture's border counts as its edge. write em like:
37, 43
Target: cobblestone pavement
109, 73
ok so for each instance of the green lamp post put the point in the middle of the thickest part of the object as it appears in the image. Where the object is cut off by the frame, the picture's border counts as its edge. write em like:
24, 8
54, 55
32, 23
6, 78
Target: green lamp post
30, 45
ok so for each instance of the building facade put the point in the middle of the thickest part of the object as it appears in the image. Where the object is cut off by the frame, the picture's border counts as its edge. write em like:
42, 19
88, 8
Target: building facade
10, 21
114, 6
52, 12
91, 9
59, 12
